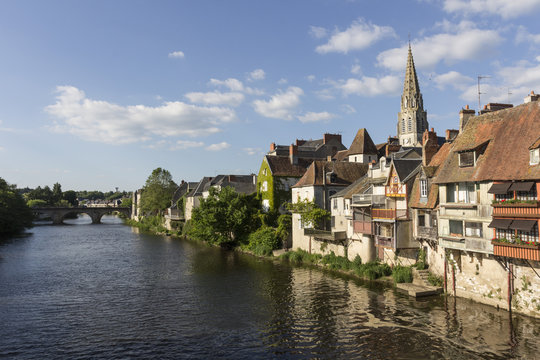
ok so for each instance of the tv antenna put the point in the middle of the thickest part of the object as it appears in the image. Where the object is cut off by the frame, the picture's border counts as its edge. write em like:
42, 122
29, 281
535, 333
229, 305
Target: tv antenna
479, 93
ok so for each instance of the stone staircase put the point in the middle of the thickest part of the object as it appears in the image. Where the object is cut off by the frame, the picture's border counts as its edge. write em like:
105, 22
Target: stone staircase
420, 277
420, 286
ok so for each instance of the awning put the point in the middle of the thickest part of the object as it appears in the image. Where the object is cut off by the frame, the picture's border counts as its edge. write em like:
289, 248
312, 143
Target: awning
523, 225
522, 186
500, 223
499, 188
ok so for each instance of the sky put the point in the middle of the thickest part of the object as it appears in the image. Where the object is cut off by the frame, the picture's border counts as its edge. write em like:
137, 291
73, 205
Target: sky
96, 94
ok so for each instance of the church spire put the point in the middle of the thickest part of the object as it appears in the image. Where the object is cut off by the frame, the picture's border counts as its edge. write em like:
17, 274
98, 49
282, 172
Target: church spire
412, 119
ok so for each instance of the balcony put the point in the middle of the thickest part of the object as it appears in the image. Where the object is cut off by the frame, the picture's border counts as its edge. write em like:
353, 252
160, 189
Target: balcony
362, 227
324, 235
396, 190
385, 241
527, 252
517, 209
426, 232
391, 214
175, 214
367, 199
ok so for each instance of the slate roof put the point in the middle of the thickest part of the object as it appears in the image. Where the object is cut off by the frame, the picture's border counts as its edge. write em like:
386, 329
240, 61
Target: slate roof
183, 189
358, 187
200, 187
362, 144
341, 155
345, 173
405, 167
508, 134
240, 183
281, 166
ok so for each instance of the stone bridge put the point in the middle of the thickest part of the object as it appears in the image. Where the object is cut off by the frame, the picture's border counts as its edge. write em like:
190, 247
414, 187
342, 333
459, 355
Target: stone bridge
57, 214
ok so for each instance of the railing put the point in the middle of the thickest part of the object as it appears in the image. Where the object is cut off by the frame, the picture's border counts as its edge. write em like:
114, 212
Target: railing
362, 227
427, 232
385, 241
325, 234
399, 190
175, 214
528, 252
367, 199
396, 214
517, 210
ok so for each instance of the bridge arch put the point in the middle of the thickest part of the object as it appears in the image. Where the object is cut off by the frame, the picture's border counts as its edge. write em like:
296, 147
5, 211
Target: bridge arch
96, 213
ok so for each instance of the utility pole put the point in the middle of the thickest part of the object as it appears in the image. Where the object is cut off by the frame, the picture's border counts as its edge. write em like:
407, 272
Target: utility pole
479, 103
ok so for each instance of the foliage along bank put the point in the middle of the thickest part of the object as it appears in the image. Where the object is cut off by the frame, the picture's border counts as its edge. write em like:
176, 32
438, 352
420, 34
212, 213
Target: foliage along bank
15, 215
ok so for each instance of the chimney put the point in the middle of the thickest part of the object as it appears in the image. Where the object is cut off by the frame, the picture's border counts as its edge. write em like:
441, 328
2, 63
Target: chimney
464, 116
491, 107
293, 154
300, 142
430, 146
451, 135
328, 137
273, 146
531, 97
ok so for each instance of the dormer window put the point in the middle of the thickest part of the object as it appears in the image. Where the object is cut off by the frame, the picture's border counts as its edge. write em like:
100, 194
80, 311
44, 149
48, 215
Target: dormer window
466, 158
534, 156
423, 188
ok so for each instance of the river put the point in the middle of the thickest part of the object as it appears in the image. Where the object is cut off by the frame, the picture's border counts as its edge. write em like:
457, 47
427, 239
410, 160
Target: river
82, 291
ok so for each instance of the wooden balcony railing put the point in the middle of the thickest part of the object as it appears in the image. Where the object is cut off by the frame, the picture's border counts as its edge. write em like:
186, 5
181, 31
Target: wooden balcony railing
385, 241
528, 252
523, 210
427, 232
362, 227
397, 214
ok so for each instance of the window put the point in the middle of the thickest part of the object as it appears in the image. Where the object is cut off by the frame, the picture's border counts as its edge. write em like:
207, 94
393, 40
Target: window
421, 219
535, 156
467, 193
265, 172
423, 188
451, 193
527, 195
473, 229
504, 233
466, 159
456, 228
264, 186
334, 204
266, 205
531, 235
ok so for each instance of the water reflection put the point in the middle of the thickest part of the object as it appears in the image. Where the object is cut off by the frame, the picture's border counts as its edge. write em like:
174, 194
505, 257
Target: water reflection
106, 291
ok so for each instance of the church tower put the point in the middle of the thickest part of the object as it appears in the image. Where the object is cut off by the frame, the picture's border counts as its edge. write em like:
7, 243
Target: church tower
412, 119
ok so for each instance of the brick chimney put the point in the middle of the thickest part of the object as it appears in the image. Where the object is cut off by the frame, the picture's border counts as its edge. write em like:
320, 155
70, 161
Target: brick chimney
430, 146
273, 146
451, 134
300, 142
464, 116
293, 154
328, 137
531, 97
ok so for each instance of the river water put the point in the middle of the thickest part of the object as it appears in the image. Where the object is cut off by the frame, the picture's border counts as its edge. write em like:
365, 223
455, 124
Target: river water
83, 291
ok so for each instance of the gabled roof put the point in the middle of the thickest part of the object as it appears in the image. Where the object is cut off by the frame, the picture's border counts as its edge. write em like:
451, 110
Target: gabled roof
357, 187
345, 173
198, 191
508, 134
240, 183
362, 144
341, 155
281, 166
431, 201
405, 167
183, 189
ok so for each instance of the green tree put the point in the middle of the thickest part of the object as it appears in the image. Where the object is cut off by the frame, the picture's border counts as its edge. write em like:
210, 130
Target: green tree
56, 193
225, 218
36, 203
71, 197
15, 215
311, 213
40, 193
157, 192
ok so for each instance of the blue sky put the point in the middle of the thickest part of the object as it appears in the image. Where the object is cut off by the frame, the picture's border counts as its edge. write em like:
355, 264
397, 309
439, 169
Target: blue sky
96, 94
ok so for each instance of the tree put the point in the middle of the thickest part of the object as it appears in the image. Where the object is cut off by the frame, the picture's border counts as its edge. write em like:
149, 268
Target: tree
311, 213
71, 197
157, 192
225, 218
15, 215
56, 193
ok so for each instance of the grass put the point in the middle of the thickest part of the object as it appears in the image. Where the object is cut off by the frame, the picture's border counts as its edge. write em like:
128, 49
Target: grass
402, 274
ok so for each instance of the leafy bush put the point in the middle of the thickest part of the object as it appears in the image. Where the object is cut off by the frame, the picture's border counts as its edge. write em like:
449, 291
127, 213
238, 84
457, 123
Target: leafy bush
36, 203
336, 262
402, 274
373, 270
435, 280
301, 257
263, 241
421, 263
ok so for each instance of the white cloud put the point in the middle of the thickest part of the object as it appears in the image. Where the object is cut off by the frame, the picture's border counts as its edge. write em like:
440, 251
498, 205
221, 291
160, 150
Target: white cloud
358, 36
524, 74
318, 32
522, 35
348, 109
370, 86
2, 148
505, 8
216, 98
454, 79
253, 151
218, 147
310, 78
185, 144
356, 69
314, 117
257, 74
235, 85
177, 55
280, 105
467, 44
282, 81
102, 121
